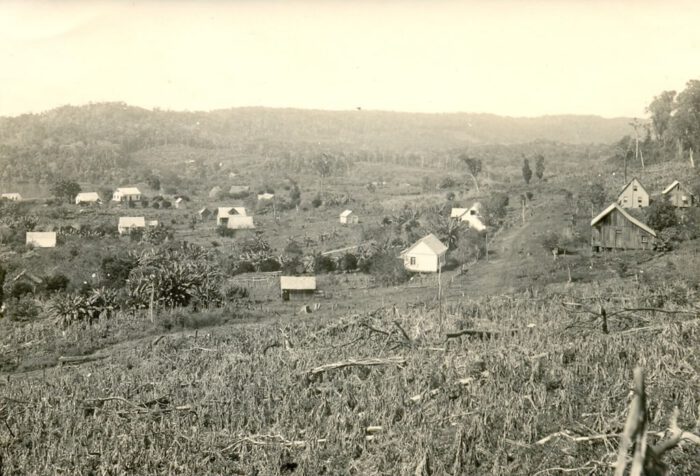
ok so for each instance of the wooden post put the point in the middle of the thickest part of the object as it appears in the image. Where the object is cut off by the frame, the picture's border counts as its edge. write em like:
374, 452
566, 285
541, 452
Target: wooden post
440, 293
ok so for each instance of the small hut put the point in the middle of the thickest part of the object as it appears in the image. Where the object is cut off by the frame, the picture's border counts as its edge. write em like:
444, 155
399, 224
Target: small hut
348, 217
614, 228
297, 287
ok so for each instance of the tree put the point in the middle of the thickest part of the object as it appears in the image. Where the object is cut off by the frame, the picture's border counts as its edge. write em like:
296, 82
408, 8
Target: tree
474, 168
153, 182
539, 167
527, 171
660, 109
685, 123
661, 215
65, 190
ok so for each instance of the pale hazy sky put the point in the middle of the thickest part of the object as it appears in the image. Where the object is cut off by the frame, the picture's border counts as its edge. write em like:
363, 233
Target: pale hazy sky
519, 58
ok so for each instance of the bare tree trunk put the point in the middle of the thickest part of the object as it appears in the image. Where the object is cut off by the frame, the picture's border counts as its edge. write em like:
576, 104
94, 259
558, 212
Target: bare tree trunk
692, 162
476, 184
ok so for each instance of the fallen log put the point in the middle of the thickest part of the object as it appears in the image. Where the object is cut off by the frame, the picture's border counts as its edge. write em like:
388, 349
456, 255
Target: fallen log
81, 359
372, 362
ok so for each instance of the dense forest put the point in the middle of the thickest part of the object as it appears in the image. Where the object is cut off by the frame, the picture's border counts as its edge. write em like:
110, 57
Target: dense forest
116, 142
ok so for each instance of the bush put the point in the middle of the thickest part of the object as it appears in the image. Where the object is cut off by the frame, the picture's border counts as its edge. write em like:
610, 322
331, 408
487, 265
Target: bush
115, 270
224, 231
55, 283
323, 264
661, 214
386, 269
20, 289
348, 262
268, 265
24, 308
244, 267
316, 202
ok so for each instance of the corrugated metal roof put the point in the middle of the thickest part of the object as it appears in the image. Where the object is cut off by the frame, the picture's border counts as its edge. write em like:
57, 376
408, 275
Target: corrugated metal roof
629, 217
132, 221
299, 283
226, 211
432, 242
670, 187
128, 191
42, 239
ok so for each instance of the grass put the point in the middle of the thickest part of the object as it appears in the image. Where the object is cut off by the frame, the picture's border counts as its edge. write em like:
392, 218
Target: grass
239, 399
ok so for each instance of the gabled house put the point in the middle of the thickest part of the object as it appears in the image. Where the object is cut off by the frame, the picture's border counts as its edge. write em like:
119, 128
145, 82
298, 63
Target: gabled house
293, 287
129, 224
633, 195
348, 217
678, 195
616, 229
41, 239
427, 255
126, 194
87, 197
204, 213
471, 216
12, 196
234, 218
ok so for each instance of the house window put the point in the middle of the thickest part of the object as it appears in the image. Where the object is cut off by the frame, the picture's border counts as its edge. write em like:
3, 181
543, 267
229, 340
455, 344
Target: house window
685, 199
645, 239
412, 260
618, 232
634, 188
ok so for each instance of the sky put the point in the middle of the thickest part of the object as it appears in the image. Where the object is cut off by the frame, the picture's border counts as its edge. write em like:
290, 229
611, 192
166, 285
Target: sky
515, 58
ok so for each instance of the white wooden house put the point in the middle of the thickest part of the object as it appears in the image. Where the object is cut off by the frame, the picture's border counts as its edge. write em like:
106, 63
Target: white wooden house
427, 255
126, 194
12, 196
234, 218
471, 216
348, 217
180, 203
87, 197
297, 286
633, 195
41, 239
128, 224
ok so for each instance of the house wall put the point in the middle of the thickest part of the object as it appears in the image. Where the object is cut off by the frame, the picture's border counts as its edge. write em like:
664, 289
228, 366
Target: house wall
236, 222
424, 262
352, 219
616, 232
631, 198
676, 195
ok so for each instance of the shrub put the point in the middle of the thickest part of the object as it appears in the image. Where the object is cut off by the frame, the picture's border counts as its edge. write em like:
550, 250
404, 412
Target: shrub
166, 204
244, 267
316, 202
323, 264
661, 215
55, 283
225, 232
21, 288
24, 308
348, 262
115, 270
269, 264
386, 269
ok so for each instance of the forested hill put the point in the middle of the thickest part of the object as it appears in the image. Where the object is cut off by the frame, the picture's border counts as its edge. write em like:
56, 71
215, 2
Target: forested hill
89, 141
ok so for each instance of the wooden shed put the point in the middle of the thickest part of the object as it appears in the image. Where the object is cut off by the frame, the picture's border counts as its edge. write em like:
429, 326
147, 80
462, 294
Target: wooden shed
615, 229
297, 287
348, 217
678, 195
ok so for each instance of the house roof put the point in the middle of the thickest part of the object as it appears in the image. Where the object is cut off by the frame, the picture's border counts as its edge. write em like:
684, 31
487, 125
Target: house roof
87, 196
132, 221
432, 242
10, 194
615, 206
458, 212
204, 210
42, 238
346, 213
670, 187
223, 211
238, 188
634, 179
128, 191
299, 283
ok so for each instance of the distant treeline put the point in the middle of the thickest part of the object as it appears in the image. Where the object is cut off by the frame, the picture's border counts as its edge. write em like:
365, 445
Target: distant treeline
111, 141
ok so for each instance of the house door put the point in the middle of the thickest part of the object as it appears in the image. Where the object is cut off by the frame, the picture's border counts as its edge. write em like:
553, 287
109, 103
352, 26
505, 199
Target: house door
618, 239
